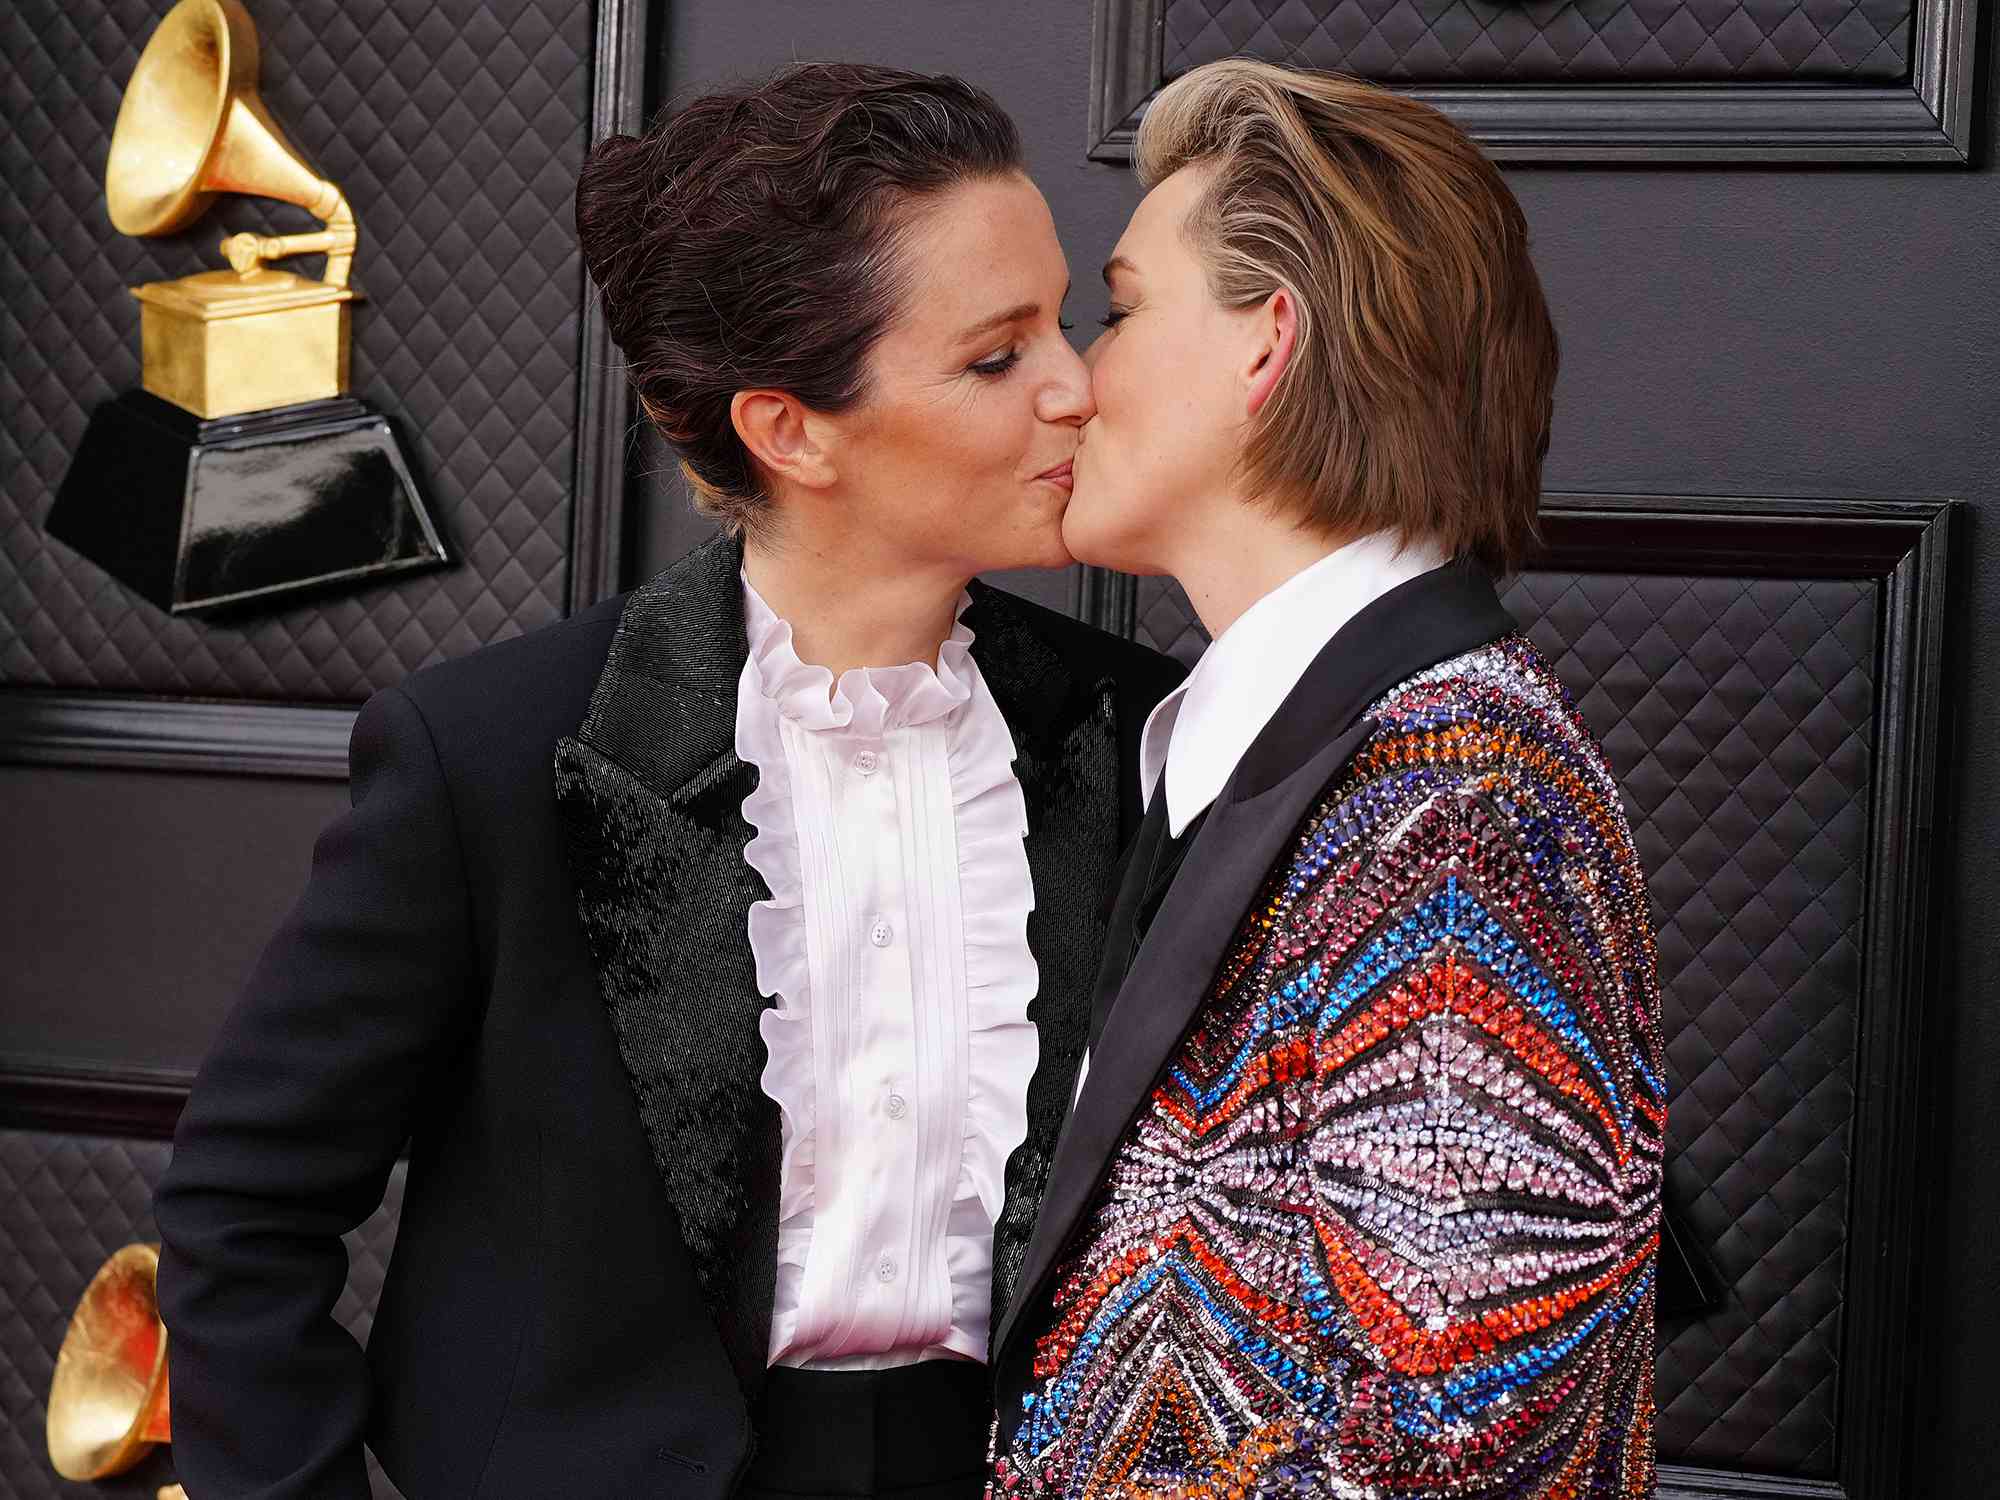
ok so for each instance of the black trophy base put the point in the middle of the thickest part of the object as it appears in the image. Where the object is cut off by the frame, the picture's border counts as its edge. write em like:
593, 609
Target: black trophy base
243, 512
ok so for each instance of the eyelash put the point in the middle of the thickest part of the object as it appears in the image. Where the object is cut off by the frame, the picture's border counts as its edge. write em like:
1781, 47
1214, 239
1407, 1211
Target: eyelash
1113, 318
993, 368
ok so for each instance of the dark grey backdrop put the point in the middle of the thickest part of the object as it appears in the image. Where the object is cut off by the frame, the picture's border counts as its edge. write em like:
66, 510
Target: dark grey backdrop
1805, 332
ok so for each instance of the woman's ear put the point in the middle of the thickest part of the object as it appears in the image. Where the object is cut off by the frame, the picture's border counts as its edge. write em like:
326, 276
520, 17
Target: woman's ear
1277, 333
783, 437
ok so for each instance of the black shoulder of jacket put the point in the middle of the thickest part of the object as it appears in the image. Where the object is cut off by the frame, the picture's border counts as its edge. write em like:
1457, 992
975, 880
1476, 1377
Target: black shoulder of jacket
1140, 671
533, 687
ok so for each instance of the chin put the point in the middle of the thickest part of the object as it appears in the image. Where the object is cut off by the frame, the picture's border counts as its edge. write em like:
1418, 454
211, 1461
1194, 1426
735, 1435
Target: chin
1088, 540
1039, 546
1049, 551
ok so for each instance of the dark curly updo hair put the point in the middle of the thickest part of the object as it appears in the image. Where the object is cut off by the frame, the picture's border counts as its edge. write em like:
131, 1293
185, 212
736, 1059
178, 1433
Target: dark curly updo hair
751, 239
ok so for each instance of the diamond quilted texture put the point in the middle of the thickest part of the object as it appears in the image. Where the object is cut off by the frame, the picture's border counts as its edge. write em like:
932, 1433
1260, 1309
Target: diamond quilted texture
1166, 622
1737, 715
72, 1200
1551, 41
456, 128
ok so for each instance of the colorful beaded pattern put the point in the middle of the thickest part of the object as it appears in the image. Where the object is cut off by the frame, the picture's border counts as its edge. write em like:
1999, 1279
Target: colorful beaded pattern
1388, 1225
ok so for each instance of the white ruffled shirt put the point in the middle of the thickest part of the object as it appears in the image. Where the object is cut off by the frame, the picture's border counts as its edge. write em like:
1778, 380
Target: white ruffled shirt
889, 827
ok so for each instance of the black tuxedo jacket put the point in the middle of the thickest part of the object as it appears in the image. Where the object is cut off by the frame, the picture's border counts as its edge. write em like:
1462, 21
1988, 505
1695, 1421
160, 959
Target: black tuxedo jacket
523, 954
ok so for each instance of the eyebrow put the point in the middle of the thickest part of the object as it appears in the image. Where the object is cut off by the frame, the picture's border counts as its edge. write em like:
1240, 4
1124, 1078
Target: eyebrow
1119, 263
1020, 313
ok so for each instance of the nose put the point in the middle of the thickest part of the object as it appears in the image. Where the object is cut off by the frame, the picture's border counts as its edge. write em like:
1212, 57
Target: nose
1065, 396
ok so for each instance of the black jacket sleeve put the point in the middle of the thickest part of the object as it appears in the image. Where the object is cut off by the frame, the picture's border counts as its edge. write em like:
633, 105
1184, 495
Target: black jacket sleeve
295, 1120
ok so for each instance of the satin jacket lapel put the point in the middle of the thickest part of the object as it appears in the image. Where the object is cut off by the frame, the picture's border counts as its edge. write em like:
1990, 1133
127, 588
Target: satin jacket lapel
1165, 868
1066, 759
1121, 933
650, 792
1429, 619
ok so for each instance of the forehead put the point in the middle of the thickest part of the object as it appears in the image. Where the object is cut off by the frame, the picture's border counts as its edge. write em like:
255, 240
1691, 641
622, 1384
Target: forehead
981, 246
1157, 221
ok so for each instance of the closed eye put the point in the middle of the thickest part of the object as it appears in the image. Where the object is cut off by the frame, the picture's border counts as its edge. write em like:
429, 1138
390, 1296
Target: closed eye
1000, 364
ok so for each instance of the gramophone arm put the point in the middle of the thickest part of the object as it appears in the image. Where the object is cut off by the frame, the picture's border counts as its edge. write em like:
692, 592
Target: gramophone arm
247, 251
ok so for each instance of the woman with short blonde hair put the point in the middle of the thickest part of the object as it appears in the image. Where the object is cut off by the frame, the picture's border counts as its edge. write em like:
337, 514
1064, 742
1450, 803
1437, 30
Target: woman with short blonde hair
1360, 1193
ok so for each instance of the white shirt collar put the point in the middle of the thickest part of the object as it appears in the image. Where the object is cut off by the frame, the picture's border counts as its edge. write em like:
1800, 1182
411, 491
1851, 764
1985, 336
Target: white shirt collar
1198, 732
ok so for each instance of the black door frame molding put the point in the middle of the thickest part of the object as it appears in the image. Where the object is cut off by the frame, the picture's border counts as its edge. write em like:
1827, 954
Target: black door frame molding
91, 1099
40, 726
1904, 547
1927, 119
604, 433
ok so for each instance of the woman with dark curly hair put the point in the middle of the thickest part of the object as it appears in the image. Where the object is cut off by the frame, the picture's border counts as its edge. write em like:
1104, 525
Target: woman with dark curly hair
1361, 1195
723, 954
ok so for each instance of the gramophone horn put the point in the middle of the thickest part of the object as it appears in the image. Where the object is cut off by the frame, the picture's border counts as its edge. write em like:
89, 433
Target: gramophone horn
191, 126
108, 1401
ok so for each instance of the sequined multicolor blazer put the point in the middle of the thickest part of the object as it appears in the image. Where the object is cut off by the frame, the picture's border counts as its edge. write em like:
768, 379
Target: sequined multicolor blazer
1362, 1195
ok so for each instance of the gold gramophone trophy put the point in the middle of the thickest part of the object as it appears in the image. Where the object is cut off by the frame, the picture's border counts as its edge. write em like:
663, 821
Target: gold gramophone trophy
108, 1400
241, 471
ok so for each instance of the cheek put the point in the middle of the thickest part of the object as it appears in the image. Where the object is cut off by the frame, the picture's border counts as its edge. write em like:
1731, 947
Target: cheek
947, 446
1111, 390
982, 439
1151, 451
1152, 389
955, 475
1120, 461
1151, 414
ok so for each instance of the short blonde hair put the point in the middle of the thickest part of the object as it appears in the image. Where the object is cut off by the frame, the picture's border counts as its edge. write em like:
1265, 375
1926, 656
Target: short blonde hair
1421, 384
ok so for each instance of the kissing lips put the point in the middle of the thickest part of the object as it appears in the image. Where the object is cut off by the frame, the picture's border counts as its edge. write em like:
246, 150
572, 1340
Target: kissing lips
1059, 476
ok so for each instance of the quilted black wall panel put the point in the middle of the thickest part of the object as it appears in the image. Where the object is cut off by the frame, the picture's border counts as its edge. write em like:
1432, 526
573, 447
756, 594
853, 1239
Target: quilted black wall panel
456, 128
70, 1201
1554, 41
1737, 714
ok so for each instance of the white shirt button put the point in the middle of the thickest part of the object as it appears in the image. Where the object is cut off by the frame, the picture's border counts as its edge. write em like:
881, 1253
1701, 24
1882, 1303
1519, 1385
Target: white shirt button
880, 933
897, 1106
885, 1269
865, 761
